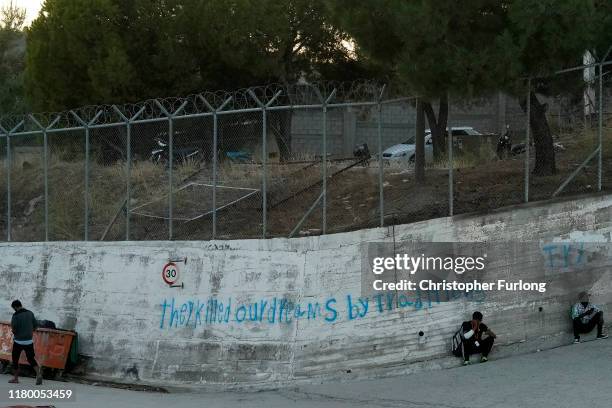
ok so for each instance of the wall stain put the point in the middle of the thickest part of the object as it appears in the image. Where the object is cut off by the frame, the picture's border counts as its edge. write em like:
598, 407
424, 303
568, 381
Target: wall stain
41, 281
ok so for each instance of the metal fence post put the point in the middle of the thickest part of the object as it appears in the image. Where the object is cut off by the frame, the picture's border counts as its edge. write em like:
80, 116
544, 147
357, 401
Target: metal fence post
8, 178
45, 167
46, 180
600, 120
8, 187
215, 157
324, 170
215, 174
264, 154
86, 183
128, 177
264, 159
449, 136
128, 164
559, 123
527, 137
381, 195
170, 176
170, 116
324, 173
600, 129
86, 126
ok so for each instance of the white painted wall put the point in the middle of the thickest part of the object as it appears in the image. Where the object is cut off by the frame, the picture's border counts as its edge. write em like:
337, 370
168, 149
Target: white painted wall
112, 294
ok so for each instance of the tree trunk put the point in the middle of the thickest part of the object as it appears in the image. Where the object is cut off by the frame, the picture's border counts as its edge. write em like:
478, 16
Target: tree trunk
438, 125
542, 137
419, 154
282, 118
281, 126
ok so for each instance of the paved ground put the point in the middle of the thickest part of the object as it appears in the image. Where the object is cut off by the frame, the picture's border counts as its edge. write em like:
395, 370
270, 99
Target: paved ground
571, 376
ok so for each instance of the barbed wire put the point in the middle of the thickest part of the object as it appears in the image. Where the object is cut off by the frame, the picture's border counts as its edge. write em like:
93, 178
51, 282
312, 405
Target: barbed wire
272, 96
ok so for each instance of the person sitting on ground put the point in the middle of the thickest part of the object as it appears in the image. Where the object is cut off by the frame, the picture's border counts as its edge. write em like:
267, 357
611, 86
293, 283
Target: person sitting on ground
23, 325
473, 341
586, 316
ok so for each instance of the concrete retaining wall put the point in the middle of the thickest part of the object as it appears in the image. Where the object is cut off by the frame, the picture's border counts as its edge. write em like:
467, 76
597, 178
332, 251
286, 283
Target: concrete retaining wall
263, 312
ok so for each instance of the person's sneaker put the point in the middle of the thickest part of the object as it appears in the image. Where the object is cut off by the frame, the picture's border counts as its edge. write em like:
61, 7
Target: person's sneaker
484, 359
576, 341
602, 336
466, 363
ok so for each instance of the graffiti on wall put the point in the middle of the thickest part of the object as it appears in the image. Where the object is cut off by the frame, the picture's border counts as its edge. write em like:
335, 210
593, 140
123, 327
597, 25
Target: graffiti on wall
564, 255
195, 312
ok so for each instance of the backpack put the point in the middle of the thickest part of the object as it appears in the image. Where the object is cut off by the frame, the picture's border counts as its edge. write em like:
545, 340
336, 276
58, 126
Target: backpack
457, 343
46, 324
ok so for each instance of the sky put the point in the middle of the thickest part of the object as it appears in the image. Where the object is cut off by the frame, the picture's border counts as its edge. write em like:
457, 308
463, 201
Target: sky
32, 7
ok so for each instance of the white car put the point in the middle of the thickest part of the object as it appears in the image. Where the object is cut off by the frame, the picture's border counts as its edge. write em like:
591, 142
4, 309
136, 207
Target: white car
405, 151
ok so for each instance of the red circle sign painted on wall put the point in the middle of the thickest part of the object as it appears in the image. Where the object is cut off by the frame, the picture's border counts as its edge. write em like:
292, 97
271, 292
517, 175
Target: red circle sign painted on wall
170, 273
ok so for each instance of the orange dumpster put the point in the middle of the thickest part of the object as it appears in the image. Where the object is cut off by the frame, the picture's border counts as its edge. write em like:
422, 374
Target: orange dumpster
52, 347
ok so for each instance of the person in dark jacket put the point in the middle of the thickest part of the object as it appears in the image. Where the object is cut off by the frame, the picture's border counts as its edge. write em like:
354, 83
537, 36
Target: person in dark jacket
23, 325
474, 340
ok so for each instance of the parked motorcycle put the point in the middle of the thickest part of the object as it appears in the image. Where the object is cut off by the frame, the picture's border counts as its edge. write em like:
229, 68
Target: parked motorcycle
362, 152
519, 148
504, 146
239, 156
161, 155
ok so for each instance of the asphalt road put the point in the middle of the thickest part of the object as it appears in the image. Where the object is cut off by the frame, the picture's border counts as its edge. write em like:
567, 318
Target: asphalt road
571, 376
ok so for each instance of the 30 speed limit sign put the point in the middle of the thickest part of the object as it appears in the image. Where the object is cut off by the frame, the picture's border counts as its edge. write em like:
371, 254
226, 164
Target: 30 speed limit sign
170, 273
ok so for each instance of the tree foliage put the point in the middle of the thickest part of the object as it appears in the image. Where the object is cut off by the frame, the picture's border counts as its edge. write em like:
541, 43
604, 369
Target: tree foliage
436, 48
476, 47
112, 51
93, 51
252, 40
103, 51
541, 38
12, 60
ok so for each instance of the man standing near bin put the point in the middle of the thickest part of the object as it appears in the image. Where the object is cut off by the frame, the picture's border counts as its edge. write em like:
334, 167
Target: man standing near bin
23, 325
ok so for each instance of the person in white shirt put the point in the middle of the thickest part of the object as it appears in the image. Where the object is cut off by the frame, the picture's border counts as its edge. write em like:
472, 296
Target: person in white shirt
586, 316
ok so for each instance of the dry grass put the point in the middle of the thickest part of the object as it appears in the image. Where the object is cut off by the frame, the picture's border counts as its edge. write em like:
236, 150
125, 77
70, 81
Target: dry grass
481, 181
107, 191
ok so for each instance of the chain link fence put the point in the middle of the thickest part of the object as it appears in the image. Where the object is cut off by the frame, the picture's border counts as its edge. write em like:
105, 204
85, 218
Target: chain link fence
486, 172
574, 104
288, 161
